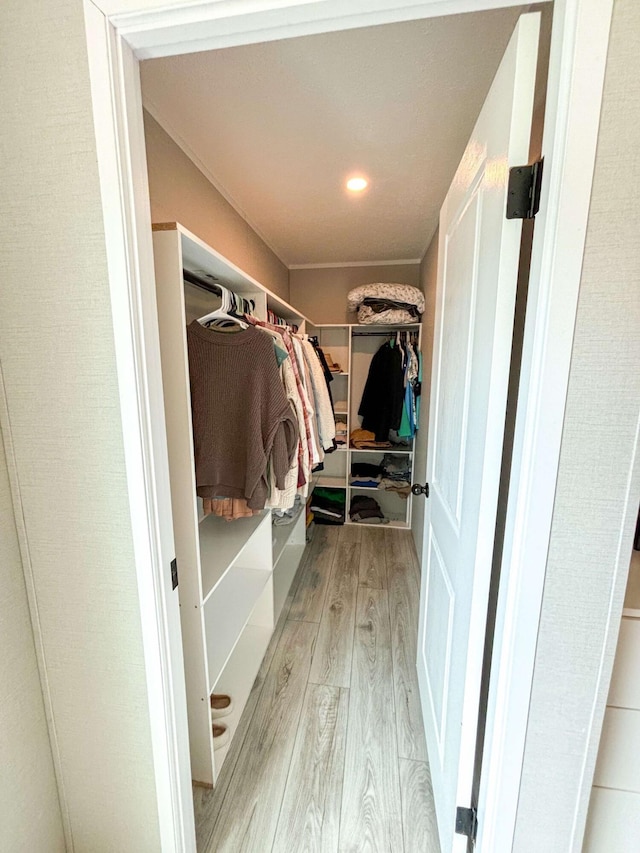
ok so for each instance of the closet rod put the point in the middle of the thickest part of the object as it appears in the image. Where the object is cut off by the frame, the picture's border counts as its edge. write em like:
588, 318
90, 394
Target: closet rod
382, 334
203, 283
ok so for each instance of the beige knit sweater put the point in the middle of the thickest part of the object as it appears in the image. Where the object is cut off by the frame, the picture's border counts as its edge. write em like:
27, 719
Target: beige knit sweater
241, 414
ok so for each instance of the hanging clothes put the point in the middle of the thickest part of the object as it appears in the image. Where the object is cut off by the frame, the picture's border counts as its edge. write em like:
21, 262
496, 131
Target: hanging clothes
317, 454
383, 396
408, 424
228, 508
323, 406
328, 375
306, 443
285, 497
242, 419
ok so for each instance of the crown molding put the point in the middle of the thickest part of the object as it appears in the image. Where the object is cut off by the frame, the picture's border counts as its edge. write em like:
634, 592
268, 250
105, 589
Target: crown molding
337, 264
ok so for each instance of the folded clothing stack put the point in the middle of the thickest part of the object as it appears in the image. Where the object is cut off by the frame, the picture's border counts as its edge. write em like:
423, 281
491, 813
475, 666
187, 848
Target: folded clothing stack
386, 303
328, 506
366, 510
396, 474
366, 475
341, 433
364, 439
392, 475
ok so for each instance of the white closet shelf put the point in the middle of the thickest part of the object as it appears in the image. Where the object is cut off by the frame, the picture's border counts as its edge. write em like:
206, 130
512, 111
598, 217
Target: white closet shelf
374, 489
281, 535
378, 450
238, 676
226, 613
393, 522
333, 482
221, 544
200, 258
288, 547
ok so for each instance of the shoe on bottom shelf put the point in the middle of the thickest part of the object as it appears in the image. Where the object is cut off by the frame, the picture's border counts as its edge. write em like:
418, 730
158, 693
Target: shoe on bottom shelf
221, 705
220, 735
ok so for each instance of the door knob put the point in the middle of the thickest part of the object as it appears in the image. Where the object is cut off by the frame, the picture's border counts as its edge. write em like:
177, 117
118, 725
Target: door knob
417, 489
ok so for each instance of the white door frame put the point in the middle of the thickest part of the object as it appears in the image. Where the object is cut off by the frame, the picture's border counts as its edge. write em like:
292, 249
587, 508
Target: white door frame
576, 76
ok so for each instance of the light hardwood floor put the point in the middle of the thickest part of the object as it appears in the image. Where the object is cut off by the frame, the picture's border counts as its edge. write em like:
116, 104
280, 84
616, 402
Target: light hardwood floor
330, 756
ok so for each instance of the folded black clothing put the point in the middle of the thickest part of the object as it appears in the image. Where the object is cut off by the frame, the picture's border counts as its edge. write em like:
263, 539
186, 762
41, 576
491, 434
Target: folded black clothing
359, 502
380, 305
365, 469
363, 506
367, 513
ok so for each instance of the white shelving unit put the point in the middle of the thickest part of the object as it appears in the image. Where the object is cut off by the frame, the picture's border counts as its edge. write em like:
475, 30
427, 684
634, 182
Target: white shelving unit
289, 542
234, 576
341, 343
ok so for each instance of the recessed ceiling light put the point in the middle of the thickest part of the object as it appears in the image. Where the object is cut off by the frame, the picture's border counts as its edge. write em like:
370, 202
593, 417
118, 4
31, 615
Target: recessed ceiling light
356, 185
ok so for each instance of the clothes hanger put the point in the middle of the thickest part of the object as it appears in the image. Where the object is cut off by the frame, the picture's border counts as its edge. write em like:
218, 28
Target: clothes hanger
222, 314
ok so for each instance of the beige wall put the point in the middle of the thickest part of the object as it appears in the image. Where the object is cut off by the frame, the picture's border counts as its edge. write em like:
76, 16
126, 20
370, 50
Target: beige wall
58, 362
601, 420
30, 816
180, 192
428, 283
321, 294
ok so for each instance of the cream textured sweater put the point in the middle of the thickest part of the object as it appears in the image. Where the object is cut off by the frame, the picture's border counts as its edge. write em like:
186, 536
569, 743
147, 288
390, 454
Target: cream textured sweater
241, 414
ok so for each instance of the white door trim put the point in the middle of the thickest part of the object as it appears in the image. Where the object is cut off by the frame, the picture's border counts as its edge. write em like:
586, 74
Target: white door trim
117, 106
576, 76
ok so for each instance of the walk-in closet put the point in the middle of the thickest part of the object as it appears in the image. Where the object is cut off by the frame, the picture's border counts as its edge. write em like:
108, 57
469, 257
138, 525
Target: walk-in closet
296, 190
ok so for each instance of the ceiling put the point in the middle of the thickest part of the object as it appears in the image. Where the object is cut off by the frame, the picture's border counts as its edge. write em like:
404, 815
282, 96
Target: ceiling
279, 126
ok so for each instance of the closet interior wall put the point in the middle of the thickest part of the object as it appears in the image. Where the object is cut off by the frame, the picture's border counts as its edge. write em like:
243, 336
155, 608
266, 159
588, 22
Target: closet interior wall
353, 346
233, 577
321, 292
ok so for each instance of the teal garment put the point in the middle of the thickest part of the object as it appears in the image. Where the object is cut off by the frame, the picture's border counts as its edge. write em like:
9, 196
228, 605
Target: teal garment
281, 354
418, 397
405, 422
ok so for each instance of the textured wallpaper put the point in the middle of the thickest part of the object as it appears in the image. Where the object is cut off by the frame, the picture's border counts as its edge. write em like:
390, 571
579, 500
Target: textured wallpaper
27, 775
57, 353
601, 419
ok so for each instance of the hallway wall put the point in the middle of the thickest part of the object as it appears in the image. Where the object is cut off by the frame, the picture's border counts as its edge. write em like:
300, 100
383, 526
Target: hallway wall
588, 562
27, 776
59, 367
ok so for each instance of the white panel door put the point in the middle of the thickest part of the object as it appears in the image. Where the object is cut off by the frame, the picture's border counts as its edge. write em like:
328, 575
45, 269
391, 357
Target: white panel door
477, 272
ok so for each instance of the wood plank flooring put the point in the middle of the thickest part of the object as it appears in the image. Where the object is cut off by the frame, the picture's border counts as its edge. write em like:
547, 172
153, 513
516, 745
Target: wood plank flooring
329, 756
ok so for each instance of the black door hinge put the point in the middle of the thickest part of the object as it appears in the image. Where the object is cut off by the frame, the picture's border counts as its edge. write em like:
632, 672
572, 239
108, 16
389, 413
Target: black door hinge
467, 823
523, 192
174, 573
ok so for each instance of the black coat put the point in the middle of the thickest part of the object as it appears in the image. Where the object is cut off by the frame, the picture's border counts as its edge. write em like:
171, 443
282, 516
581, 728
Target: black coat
383, 395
